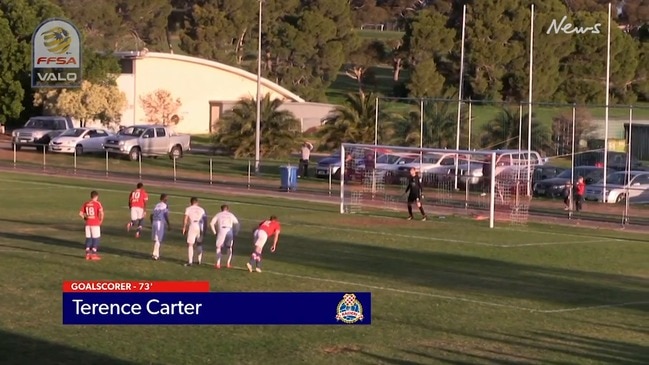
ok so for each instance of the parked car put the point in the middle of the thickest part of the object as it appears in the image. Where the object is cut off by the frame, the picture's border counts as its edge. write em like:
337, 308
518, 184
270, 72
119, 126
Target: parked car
39, 131
430, 163
392, 161
332, 163
615, 160
148, 141
80, 141
554, 187
543, 172
621, 185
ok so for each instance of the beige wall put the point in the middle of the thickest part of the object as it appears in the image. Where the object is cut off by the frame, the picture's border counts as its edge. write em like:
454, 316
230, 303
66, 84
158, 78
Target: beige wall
196, 82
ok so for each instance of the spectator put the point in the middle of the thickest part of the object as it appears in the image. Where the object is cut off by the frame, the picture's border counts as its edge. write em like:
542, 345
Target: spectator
304, 158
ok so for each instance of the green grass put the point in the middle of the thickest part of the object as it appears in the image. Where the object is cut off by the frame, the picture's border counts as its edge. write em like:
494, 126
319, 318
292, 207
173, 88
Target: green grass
379, 35
447, 291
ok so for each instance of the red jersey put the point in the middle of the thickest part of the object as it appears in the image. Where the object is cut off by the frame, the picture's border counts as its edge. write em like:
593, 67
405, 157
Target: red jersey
91, 210
270, 227
138, 199
581, 188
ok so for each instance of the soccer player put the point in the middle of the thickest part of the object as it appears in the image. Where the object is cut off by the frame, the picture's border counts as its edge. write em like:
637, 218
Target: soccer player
194, 218
225, 226
415, 194
159, 225
267, 228
92, 213
137, 204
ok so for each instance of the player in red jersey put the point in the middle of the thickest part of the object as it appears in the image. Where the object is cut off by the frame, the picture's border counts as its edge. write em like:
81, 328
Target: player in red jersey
92, 213
267, 228
137, 204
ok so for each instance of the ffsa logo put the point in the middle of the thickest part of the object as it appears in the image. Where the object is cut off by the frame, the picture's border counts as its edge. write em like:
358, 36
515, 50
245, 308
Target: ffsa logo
569, 28
56, 55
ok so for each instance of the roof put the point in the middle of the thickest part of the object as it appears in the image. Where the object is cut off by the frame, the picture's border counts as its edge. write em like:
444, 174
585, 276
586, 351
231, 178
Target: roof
216, 65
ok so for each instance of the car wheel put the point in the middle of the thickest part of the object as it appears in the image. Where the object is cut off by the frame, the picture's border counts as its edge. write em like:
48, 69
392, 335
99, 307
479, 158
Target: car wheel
620, 198
78, 149
134, 154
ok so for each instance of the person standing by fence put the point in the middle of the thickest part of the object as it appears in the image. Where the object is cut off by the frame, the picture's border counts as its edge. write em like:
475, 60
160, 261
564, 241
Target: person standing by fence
304, 158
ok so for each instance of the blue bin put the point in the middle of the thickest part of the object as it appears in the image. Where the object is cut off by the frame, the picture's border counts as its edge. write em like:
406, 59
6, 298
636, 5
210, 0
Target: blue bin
288, 177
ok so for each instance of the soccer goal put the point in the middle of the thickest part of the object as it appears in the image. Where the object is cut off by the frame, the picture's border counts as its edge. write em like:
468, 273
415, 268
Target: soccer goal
484, 185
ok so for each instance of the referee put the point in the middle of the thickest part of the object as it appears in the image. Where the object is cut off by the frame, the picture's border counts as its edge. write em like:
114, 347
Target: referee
415, 194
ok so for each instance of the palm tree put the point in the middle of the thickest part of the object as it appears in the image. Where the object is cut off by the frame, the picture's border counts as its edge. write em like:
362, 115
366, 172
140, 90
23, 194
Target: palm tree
280, 129
440, 126
351, 122
505, 131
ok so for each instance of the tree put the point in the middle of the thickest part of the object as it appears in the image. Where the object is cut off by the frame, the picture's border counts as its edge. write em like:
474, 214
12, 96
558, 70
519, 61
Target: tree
309, 47
440, 126
220, 30
641, 82
562, 129
88, 103
18, 20
361, 61
503, 132
425, 81
280, 129
100, 24
160, 107
351, 122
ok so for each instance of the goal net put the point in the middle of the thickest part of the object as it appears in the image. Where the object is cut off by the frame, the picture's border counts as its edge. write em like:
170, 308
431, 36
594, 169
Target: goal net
484, 185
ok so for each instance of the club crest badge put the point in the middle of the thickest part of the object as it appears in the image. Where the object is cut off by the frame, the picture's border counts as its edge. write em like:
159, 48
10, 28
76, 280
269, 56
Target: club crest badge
349, 309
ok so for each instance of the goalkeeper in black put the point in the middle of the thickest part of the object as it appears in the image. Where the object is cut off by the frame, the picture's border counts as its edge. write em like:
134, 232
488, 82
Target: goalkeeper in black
415, 194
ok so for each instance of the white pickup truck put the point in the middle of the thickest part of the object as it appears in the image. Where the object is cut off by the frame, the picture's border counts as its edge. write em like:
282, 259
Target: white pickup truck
147, 141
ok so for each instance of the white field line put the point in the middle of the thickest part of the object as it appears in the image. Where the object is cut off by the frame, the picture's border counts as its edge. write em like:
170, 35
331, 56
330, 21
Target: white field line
386, 234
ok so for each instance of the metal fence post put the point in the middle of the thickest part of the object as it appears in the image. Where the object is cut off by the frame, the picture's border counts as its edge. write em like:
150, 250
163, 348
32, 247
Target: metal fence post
139, 167
174, 169
211, 171
14, 146
330, 178
44, 159
106, 163
249, 171
74, 161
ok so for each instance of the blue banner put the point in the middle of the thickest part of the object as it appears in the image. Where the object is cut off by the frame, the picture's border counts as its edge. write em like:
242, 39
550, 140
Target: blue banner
217, 308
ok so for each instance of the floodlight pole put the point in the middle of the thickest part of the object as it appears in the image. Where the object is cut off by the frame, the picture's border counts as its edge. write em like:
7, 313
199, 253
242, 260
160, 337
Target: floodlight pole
459, 97
608, 81
529, 107
258, 119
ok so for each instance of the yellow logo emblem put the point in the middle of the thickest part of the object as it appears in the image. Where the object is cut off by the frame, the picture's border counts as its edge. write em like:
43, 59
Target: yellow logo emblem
57, 40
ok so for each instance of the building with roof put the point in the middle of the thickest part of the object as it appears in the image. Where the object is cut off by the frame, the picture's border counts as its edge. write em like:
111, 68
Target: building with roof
206, 89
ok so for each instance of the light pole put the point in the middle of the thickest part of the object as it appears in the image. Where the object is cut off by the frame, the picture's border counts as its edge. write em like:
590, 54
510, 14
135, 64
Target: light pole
258, 120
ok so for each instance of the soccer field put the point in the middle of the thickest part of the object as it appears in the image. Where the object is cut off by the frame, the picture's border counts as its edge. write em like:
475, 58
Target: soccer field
446, 291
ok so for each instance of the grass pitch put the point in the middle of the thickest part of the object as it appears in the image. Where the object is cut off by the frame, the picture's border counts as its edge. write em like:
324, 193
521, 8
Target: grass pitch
445, 291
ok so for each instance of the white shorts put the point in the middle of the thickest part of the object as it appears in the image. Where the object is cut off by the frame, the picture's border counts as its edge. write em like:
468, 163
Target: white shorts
260, 238
194, 234
93, 232
224, 237
137, 213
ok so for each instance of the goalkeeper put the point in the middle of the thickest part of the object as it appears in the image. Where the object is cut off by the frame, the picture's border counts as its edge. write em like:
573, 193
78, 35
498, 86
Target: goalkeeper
415, 194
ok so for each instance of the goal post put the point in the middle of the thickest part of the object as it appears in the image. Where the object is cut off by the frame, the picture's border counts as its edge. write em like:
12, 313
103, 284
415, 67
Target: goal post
485, 185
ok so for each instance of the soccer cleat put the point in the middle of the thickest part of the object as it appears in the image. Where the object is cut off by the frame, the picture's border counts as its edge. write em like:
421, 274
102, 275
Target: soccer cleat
188, 264
88, 256
155, 258
229, 265
258, 270
137, 234
217, 266
409, 218
249, 267
128, 227
424, 218
95, 257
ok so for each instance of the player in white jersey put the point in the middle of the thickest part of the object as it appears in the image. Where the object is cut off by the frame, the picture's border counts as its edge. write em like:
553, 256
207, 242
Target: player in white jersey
159, 225
194, 218
225, 226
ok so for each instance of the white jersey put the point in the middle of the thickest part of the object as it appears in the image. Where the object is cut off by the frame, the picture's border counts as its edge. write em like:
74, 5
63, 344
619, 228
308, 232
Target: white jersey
196, 215
160, 212
225, 221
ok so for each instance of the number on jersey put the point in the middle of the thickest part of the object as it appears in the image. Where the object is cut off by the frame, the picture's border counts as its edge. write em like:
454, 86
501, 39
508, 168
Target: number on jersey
90, 212
135, 196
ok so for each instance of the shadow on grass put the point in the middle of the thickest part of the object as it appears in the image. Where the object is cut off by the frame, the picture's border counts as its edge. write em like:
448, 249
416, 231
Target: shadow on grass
465, 274
17, 349
557, 348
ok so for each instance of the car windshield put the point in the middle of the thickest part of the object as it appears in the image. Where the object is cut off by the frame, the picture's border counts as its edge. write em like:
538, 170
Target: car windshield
433, 159
132, 131
618, 178
50, 124
73, 133
388, 159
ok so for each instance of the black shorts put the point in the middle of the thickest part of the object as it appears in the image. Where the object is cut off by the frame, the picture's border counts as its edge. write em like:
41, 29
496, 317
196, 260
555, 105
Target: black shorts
413, 198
